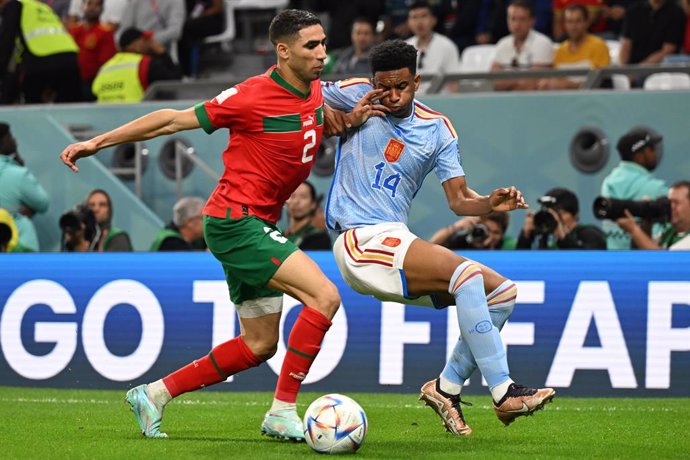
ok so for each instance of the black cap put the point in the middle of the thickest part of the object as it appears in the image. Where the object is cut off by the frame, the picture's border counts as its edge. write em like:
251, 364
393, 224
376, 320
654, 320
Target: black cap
131, 35
635, 140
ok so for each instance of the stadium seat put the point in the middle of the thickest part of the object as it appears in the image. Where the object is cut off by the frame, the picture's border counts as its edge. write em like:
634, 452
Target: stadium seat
477, 58
225, 38
667, 80
620, 82
614, 46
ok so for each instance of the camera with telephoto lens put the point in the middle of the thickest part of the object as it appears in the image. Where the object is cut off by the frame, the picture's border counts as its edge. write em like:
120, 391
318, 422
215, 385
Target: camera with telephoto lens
544, 222
75, 220
658, 210
464, 238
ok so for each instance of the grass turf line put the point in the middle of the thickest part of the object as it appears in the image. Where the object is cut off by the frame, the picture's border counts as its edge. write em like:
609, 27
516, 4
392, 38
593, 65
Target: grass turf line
50, 423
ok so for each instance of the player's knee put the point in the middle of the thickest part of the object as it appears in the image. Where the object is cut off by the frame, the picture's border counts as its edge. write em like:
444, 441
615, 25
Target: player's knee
263, 347
328, 300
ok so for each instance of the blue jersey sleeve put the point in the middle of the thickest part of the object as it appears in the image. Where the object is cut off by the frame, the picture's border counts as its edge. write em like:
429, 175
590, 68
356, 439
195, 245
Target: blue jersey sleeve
448, 160
345, 94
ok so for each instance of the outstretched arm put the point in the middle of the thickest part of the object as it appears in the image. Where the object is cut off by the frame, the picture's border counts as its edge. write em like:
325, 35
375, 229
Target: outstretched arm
154, 124
464, 201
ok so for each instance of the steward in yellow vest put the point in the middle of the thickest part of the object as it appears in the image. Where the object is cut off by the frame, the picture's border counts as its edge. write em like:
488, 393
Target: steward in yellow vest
125, 77
37, 47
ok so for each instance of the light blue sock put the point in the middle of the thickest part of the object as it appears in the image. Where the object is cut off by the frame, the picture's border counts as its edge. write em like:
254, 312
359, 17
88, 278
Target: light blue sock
476, 327
461, 364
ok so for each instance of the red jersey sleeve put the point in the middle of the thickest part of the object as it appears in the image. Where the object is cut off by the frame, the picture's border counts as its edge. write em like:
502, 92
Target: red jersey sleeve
229, 109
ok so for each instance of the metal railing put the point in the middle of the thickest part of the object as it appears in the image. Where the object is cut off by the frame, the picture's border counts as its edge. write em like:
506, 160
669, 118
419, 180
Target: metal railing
209, 88
594, 77
184, 151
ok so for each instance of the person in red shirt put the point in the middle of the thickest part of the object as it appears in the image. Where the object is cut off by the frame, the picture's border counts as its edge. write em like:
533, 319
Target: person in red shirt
96, 44
275, 122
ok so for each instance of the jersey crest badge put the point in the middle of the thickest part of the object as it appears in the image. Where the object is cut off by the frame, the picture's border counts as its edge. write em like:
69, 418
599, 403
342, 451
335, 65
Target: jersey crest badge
391, 242
393, 150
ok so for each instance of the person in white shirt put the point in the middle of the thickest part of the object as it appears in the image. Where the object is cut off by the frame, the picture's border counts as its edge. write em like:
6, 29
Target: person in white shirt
436, 53
112, 11
524, 48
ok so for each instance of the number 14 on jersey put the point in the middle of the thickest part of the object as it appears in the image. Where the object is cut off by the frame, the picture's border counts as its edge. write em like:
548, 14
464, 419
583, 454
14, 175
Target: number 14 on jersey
389, 183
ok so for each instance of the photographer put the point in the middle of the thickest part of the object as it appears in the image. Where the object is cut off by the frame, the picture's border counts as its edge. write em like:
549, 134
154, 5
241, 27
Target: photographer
676, 234
111, 239
632, 179
20, 192
476, 232
556, 225
80, 233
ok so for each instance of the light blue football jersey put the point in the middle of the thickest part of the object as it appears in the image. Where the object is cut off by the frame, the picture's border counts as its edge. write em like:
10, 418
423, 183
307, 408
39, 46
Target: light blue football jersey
381, 166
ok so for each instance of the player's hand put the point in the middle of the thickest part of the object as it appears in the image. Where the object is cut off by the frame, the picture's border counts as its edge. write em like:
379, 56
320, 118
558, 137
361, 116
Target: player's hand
73, 152
627, 223
507, 199
335, 122
368, 107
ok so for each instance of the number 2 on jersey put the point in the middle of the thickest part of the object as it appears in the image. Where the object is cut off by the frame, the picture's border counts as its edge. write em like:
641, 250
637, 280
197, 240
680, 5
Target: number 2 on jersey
390, 183
310, 139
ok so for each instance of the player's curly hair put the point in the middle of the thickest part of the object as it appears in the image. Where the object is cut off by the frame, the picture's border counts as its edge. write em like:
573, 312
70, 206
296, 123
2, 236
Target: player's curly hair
393, 55
289, 22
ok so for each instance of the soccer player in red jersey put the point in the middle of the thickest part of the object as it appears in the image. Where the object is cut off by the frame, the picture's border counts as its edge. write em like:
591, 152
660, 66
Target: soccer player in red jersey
275, 120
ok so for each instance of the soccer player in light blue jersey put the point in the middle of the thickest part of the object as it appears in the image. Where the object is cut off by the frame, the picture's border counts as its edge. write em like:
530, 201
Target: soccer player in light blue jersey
380, 166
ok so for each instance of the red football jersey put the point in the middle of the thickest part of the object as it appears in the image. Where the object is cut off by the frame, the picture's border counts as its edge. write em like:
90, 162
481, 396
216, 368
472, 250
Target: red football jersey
275, 132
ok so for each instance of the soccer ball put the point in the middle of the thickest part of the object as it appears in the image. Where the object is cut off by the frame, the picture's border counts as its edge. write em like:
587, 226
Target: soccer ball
335, 424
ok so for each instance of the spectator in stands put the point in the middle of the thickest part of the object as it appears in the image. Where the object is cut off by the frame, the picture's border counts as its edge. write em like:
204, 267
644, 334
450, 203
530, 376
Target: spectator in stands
186, 231
686, 42
492, 21
113, 10
524, 48
96, 44
632, 179
343, 15
34, 41
486, 232
580, 50
354, 60
110, 238
204, 19
614, 13
557, 225
595, 20
463, 32
652, 30
437, 54
141, 61
59, 7
164, 18
20, 192
676, 233
301, 208
395, 20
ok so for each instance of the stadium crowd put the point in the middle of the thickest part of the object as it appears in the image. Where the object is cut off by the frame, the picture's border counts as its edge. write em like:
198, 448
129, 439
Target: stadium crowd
91, 40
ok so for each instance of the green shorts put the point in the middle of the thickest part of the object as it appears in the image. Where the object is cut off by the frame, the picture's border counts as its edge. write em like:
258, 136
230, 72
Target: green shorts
250, 250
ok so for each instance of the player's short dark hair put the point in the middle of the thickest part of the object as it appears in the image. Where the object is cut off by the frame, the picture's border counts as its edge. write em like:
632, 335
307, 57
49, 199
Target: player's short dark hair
288, 23
393, 55
579, 7
526, 4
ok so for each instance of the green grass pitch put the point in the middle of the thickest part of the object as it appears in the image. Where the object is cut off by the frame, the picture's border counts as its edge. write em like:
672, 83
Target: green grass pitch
74, 424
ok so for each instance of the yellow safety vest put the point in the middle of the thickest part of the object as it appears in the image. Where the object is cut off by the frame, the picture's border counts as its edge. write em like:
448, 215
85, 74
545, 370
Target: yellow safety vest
43, 31
118, 79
